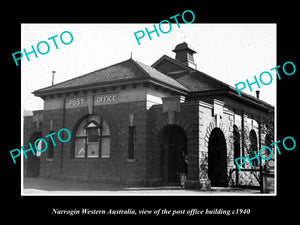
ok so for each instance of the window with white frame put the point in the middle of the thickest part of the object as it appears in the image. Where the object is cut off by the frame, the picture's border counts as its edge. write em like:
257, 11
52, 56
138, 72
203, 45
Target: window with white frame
92, 138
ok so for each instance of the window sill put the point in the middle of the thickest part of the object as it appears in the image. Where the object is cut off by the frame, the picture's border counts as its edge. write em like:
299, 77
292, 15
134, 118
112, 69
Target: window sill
92, 158
49, 159
131, 160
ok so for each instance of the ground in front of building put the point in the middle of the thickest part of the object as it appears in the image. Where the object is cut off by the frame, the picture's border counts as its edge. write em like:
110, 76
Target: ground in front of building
51, 186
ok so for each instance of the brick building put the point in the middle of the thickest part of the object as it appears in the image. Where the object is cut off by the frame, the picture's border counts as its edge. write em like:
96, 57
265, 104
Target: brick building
134, 123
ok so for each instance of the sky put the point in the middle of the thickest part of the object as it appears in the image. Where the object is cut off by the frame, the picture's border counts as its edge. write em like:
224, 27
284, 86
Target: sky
229, 52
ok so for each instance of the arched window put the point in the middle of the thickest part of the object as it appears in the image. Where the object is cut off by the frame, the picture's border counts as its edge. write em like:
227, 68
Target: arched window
236, 143
92, 138
268, 141
253, 147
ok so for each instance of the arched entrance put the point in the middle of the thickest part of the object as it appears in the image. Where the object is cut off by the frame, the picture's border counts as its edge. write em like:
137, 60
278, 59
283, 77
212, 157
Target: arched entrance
33, 161
217, 158
173, 150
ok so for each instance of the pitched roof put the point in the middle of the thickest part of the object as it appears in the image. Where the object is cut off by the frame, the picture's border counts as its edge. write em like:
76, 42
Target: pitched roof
191, 78
155, 74
126, 71
199, 82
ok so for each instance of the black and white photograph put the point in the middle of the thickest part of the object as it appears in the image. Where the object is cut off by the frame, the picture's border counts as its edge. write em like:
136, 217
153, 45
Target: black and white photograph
173, 112
162, 117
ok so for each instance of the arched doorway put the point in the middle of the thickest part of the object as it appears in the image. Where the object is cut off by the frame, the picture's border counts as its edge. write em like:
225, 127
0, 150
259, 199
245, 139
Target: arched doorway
33, 161
217, 158
173, 149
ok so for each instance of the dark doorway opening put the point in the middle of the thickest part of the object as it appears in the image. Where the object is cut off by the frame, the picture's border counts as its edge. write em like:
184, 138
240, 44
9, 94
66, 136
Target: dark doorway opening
33, 161
173, 143
217, 158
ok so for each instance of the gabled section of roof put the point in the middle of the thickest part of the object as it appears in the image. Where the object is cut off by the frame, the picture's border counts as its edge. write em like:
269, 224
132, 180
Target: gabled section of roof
200, 83
167, 58
158, 76
193, 79
128, 71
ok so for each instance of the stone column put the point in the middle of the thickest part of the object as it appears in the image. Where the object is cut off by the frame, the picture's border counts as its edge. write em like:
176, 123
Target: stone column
203, 143
197, 152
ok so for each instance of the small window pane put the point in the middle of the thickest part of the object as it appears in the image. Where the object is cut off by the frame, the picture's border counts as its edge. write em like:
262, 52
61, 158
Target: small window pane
93, 150
93, 135
105, 148
105, 128
79, 147
131, 140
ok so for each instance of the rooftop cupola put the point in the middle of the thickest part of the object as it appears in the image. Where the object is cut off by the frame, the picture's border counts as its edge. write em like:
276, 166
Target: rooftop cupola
184, 53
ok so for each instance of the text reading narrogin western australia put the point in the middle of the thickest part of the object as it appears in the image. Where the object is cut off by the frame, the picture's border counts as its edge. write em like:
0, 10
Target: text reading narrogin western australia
156, 212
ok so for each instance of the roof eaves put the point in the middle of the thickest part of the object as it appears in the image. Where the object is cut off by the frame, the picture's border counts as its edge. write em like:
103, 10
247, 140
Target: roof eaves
251, 98
75, 78
184, 46
88, 87
244, 98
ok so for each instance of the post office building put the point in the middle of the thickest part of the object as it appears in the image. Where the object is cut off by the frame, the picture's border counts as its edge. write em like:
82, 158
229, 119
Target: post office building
139, 124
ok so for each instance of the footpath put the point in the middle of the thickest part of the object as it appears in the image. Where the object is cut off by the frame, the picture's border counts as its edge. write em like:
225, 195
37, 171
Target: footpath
51, 186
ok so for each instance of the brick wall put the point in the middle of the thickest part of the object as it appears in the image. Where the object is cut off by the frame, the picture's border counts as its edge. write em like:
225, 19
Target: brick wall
187, 119
117, 167
196, 118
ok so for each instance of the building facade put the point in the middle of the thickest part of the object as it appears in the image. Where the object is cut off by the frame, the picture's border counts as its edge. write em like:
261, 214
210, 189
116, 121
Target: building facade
139, 124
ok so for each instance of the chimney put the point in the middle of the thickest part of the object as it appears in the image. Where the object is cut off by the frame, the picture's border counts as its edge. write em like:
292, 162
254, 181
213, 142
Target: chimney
184, 53
53, 72
257, 94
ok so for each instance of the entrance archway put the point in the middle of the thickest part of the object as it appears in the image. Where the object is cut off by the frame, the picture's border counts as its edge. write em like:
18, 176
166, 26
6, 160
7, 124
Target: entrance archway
217, 158
33, 161
173, 150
